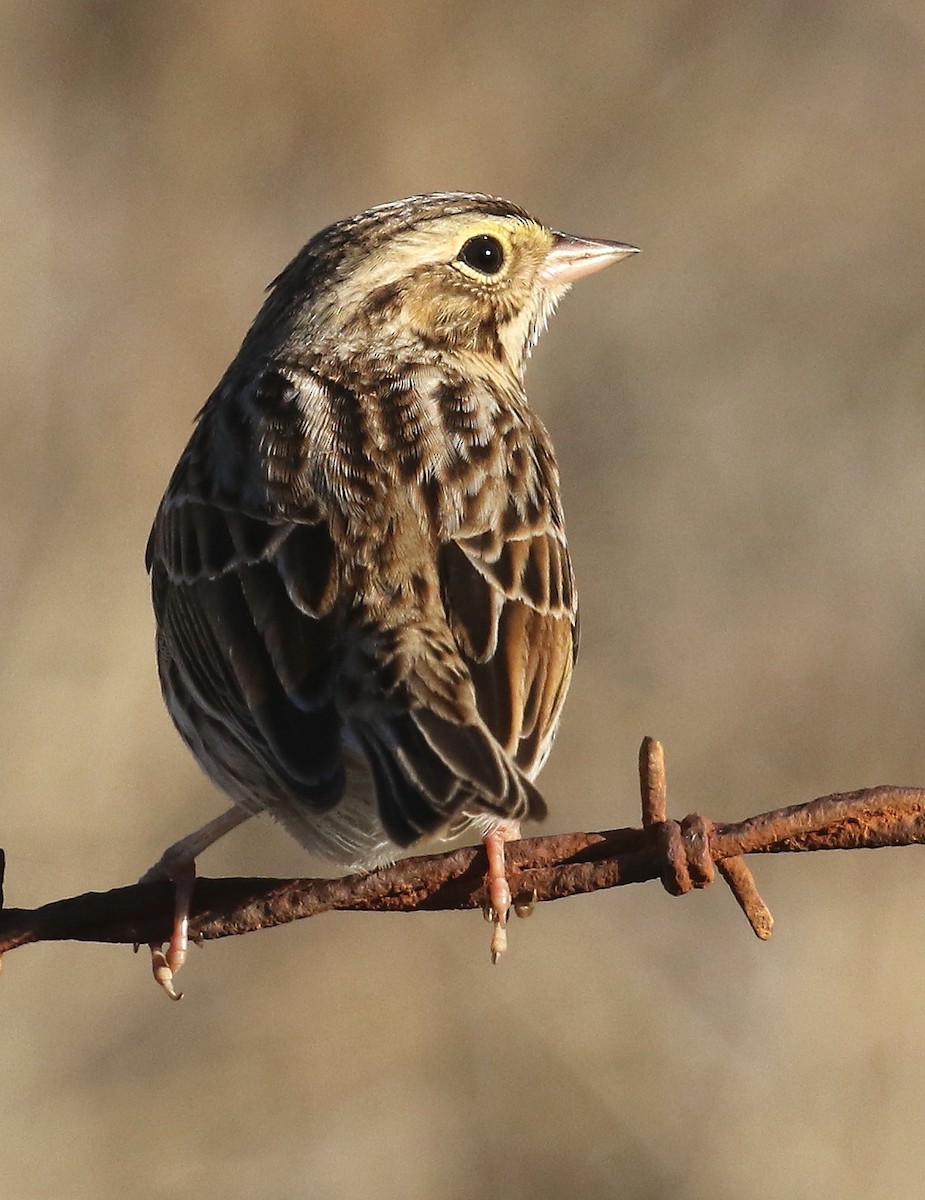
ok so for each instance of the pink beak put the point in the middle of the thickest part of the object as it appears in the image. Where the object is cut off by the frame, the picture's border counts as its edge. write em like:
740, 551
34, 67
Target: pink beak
572, 258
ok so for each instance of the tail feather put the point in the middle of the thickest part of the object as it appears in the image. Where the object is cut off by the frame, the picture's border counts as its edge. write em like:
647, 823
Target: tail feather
427, 770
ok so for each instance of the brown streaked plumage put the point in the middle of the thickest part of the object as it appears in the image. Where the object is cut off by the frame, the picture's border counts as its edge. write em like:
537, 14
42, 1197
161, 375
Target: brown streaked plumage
366, 614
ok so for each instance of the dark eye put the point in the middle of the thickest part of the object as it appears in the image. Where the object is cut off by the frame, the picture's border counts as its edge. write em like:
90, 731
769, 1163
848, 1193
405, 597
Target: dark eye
483, 253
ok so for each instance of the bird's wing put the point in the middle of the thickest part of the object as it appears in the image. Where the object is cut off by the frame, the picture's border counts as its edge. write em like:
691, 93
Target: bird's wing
511, 609
245, 600
510, 599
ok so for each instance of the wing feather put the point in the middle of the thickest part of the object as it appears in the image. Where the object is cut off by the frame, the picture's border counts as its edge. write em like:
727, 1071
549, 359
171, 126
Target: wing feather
514, 614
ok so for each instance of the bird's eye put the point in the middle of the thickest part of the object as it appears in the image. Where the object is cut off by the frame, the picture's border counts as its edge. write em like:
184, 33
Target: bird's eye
483, 253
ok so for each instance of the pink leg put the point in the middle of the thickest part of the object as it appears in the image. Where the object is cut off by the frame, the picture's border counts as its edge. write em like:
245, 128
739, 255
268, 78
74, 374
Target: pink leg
178, 863
499, 893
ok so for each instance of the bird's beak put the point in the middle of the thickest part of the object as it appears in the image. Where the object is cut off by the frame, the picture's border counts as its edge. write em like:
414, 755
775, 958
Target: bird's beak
572, 258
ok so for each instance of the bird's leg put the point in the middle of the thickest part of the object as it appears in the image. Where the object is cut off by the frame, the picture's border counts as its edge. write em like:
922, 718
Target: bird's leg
499, 893
178, 864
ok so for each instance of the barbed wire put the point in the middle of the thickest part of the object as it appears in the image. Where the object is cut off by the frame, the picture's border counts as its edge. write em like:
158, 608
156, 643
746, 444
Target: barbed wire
682, 854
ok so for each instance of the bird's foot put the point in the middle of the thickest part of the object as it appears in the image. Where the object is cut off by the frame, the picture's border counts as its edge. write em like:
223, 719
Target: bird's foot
166, 962
499, 892
178, 864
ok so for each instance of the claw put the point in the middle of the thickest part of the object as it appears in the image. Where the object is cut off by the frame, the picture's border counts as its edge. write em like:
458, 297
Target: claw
163, 972
498, 942
525, 903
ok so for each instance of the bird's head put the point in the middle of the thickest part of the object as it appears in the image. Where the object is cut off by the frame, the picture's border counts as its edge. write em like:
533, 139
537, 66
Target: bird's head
450, 273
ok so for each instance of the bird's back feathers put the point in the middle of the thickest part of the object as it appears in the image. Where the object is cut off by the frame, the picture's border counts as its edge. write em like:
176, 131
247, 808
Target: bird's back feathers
289, 630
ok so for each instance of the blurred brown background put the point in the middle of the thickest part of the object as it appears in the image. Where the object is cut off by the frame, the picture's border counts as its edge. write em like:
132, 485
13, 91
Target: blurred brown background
740, 421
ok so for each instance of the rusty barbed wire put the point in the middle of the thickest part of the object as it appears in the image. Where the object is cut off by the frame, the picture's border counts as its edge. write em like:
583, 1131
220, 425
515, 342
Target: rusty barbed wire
682, 854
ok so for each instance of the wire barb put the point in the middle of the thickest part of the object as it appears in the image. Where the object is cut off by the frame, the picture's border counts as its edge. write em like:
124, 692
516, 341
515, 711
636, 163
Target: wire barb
688, 857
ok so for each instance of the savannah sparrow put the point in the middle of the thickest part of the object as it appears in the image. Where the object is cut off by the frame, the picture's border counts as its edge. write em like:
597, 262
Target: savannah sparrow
366, 616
